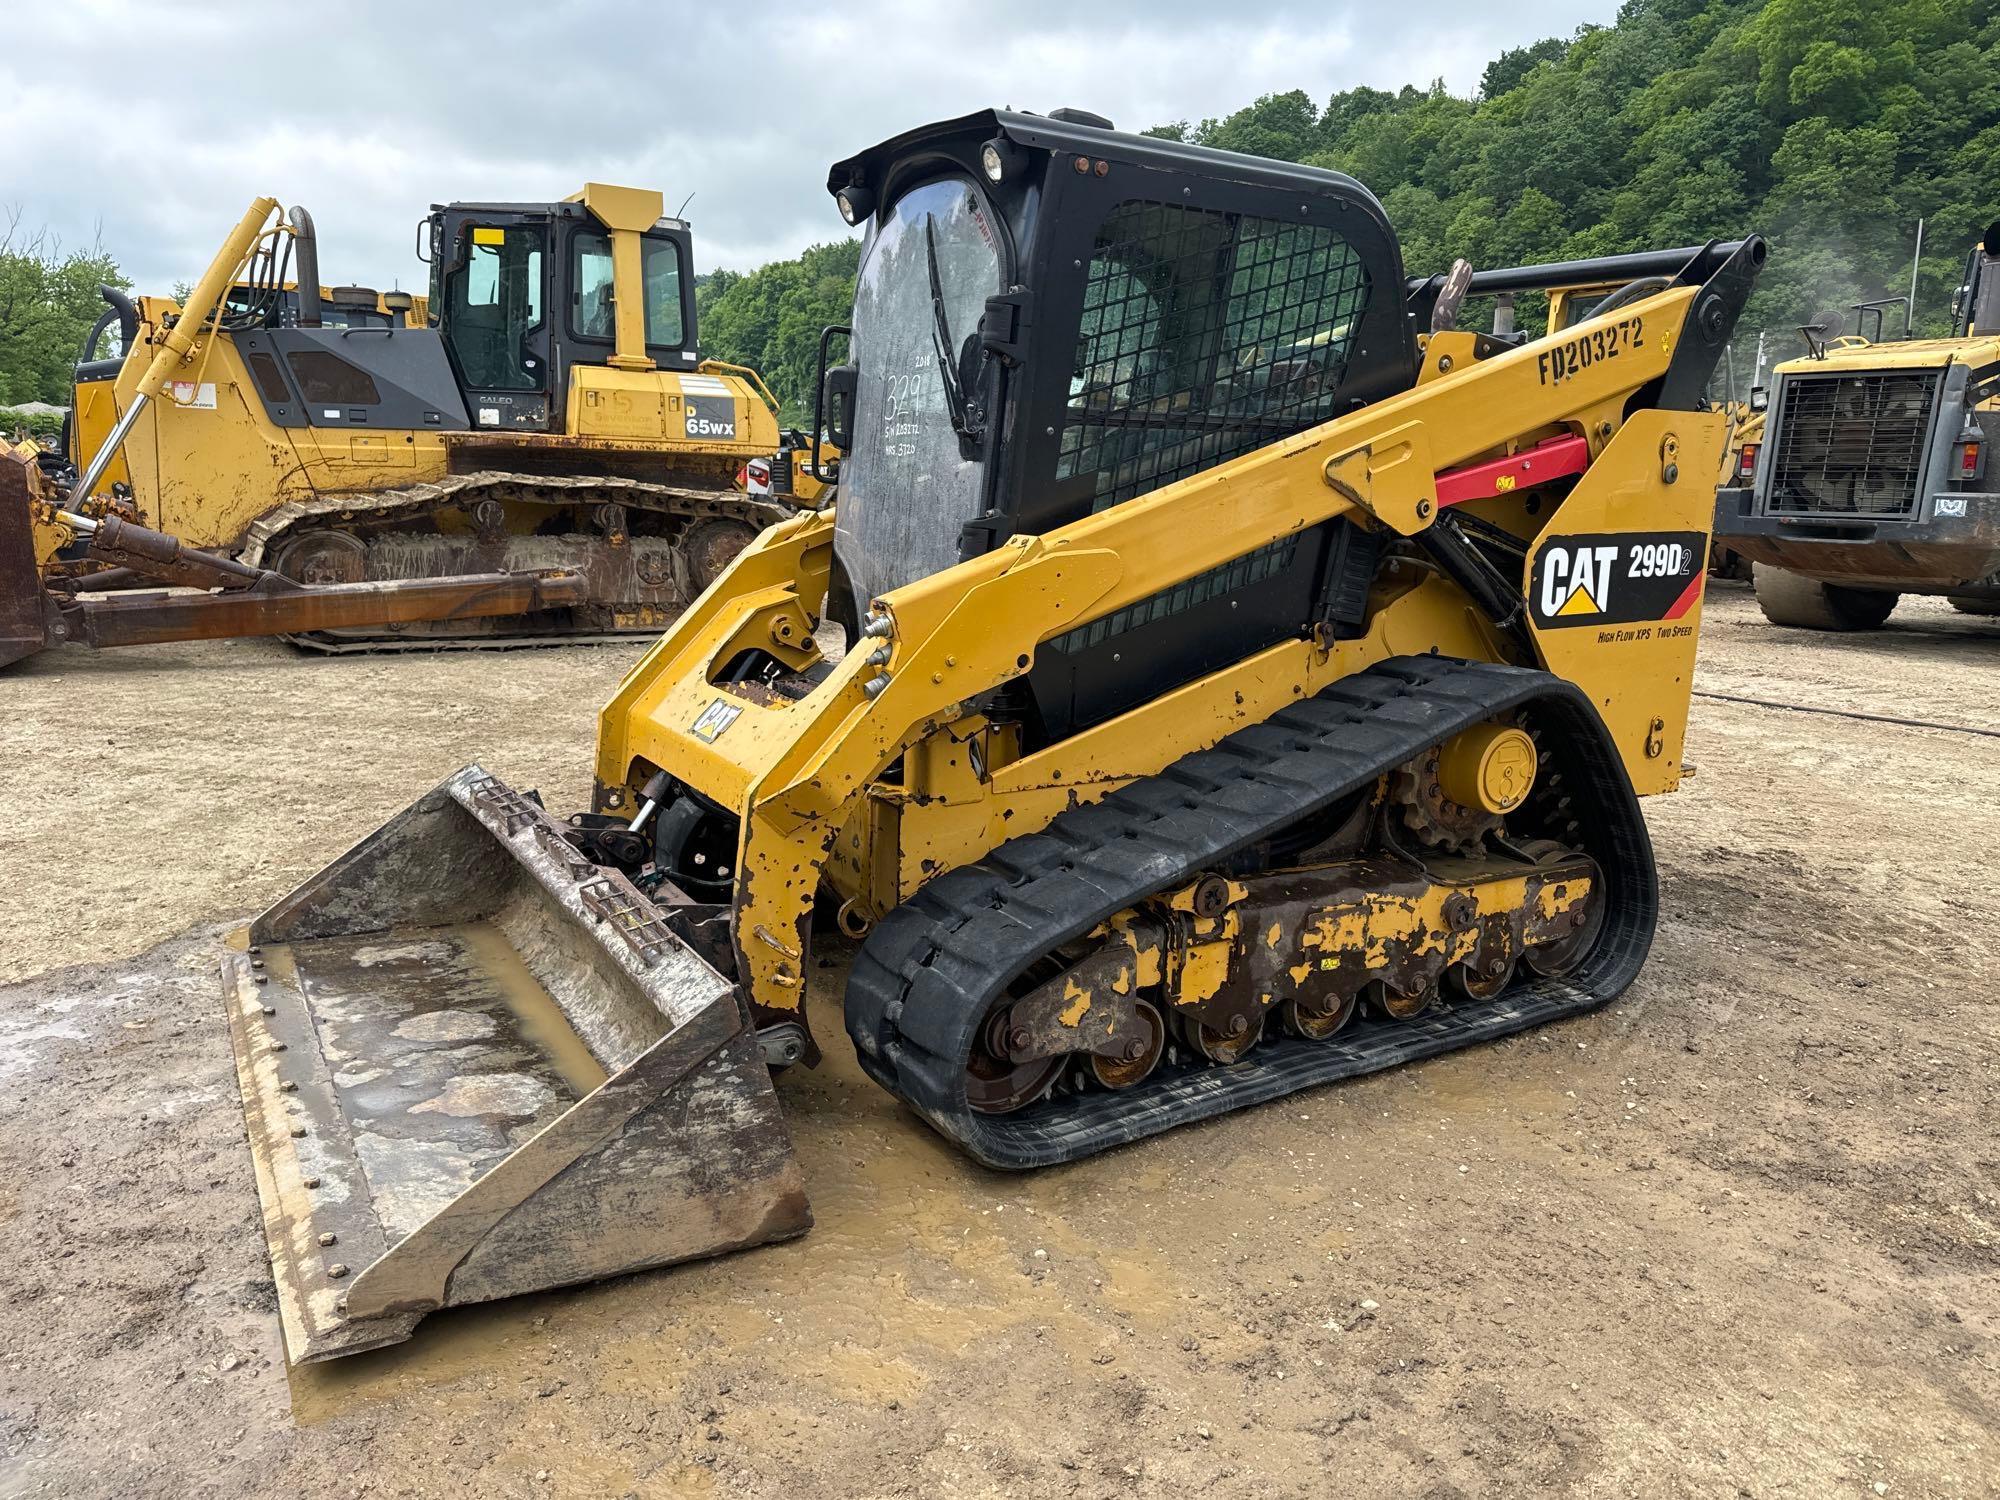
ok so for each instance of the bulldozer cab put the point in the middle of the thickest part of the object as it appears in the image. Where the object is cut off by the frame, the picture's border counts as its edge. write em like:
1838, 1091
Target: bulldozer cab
521, 292
1039, 333
525, 300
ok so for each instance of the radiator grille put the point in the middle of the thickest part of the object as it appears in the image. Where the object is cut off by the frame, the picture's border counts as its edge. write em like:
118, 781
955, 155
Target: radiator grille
1851, 445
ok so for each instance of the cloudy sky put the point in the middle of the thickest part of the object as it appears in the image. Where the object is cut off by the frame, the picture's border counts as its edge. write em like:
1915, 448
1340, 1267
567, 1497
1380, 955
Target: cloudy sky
149, 127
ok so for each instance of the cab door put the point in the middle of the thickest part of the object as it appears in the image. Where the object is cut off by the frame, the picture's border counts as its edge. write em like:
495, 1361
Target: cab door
495, 317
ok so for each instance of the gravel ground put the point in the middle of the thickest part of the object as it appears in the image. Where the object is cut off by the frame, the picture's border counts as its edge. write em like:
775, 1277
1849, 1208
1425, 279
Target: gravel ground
1737, 1235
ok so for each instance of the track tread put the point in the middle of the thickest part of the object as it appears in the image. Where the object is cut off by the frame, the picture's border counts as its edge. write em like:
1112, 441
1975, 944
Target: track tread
416, 502
926, 976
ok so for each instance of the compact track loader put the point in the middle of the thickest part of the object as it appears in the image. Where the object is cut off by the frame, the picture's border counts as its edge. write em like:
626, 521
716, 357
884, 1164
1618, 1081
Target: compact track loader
554, 413
1244, 687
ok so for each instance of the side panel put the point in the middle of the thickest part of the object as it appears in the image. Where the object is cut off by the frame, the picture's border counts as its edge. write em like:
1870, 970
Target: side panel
386, 378
204, 458
1614, 584
685, 411
207, 459
93, 413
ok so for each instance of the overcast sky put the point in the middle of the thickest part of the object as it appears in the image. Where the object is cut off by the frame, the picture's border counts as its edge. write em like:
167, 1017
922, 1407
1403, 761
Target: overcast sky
151, 126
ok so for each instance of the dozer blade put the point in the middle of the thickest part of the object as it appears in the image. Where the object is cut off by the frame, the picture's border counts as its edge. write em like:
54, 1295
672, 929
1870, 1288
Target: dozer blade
475, 1064
23, 605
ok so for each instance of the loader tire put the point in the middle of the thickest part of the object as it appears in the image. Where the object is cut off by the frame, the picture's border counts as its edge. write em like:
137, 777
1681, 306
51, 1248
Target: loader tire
1793, 599
1965, 604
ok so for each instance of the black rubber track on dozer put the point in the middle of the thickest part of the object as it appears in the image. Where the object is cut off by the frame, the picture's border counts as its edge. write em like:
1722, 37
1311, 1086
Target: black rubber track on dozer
924, 980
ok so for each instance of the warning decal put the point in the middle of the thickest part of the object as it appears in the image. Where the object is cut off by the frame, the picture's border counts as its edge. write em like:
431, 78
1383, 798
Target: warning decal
1616, 578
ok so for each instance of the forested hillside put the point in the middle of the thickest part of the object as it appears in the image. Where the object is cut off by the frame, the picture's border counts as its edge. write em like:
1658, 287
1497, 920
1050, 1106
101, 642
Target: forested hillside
1830, 125
771, 318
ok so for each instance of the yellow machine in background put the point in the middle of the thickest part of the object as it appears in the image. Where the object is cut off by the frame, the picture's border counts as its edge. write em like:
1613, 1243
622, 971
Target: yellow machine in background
554, 413
1239, 693
93, 403
1869, 479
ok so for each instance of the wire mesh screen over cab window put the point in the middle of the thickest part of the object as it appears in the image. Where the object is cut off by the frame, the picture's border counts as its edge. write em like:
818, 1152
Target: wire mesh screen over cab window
1204, 335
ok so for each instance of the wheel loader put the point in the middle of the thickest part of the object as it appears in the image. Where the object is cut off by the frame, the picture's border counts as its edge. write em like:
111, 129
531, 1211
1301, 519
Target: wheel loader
554, 414
1869, 478
1214, 678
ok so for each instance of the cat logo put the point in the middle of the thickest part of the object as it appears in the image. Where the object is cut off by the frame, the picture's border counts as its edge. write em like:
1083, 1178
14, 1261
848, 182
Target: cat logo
1576, 581
1616, 578
711, 721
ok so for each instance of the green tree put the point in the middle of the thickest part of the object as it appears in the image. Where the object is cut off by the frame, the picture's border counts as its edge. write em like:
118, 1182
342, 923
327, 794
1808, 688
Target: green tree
1830, 125
48, 300
770, 319
1508, 69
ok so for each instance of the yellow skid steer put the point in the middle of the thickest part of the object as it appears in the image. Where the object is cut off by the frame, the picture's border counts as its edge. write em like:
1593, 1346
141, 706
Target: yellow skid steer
1247, 683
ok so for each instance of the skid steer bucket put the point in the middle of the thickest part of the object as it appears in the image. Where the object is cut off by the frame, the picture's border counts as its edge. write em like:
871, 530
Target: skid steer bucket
475, 1064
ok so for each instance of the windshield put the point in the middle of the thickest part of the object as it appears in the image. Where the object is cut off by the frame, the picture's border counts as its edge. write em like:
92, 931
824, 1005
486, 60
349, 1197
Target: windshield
905, 491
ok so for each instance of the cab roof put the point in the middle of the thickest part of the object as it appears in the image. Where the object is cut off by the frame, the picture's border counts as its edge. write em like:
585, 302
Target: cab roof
1894, 354
1075, 136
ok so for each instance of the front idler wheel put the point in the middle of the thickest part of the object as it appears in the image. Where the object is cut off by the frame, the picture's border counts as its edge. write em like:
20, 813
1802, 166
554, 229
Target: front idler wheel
996, 1081
999, 1085
712, 545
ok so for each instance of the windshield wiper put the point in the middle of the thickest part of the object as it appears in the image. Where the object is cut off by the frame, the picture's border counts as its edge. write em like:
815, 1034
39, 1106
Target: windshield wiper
942, 345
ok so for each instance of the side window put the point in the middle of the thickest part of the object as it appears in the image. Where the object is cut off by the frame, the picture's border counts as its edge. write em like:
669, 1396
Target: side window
327, 379
592, 307
434, 302
1204, 335
663, 292
493, 302
593, 301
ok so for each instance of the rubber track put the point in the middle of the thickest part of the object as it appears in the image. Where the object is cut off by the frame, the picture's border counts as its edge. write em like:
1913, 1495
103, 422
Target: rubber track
927, 975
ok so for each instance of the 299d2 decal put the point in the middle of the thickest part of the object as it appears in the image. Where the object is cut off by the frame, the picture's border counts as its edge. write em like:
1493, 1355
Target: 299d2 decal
1616, 578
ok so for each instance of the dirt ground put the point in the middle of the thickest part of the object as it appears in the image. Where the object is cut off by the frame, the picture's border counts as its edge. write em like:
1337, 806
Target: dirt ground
1737, 1235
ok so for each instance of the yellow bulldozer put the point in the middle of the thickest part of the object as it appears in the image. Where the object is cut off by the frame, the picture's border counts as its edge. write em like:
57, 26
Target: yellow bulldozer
115, 335
550, 418
1235, 690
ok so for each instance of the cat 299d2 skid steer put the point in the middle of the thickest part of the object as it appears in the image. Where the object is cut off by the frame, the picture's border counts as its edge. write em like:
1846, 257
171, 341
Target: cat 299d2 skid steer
1247, 683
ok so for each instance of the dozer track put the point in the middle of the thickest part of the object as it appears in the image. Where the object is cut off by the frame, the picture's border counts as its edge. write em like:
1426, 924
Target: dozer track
637, 583
926, 977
